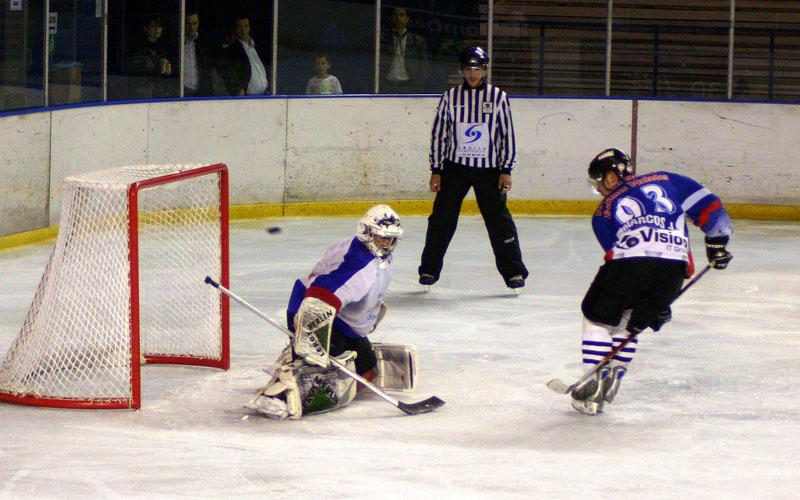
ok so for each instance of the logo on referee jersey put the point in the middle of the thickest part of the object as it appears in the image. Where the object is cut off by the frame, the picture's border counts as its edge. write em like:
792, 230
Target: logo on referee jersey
472, 134
472, 140
488, 107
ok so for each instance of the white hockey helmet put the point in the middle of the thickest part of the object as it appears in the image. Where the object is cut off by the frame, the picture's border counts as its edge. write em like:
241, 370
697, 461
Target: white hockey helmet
383, 222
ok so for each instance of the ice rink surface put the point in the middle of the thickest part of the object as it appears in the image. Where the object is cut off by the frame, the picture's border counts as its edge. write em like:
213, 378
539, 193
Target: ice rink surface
709, 409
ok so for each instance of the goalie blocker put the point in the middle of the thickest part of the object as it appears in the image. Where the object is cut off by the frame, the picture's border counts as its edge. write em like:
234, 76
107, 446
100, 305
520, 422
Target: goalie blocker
313, 339
298, 388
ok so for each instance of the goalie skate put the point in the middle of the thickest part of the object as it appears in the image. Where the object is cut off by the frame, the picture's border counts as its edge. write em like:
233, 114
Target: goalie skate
270, 406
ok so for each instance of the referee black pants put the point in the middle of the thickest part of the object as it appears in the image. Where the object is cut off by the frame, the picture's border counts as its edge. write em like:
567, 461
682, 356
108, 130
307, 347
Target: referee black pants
442, 223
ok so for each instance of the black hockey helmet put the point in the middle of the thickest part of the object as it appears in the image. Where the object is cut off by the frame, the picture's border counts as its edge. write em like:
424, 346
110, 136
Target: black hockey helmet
610, 160
474, 56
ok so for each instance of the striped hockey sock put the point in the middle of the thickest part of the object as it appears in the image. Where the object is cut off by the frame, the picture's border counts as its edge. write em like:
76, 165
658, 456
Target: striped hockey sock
597, 343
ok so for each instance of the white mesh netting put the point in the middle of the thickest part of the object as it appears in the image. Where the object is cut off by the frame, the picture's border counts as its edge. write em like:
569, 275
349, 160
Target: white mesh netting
75, 343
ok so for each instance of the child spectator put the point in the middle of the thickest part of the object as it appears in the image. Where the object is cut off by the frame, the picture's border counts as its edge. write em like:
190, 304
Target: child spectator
324, 83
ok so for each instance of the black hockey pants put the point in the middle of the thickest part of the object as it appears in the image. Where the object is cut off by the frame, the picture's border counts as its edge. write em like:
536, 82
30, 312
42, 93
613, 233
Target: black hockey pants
442, 223
647, 285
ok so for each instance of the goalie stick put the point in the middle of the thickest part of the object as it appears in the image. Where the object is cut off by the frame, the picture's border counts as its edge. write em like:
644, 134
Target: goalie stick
559, 386
424, 406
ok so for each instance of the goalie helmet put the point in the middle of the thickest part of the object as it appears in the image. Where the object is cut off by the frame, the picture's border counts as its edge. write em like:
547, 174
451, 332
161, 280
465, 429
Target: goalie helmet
474, 56
380, 221
610, 160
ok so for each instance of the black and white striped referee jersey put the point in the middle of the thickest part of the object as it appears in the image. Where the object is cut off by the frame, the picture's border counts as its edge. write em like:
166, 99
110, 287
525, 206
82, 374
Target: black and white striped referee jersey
473, 127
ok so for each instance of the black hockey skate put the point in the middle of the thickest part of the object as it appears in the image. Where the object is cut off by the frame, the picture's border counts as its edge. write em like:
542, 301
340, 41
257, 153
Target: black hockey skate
590, 397
426, 279
612, 382
516, 282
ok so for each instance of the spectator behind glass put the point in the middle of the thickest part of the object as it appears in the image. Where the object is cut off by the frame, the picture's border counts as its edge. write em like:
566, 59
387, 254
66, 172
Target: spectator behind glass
230, 36
199, 60
324, 83
404, 58
149, 64
246, 74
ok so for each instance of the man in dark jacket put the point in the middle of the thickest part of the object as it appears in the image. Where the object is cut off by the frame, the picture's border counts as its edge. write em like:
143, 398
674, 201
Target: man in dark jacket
199, 60
246, 73
149, 67
404, 58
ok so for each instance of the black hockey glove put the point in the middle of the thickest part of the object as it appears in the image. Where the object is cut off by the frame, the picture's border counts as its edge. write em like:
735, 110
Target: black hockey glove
662, 318
716, 252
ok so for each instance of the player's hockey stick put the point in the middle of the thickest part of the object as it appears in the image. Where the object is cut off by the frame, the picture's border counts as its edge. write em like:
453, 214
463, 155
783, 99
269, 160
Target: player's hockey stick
559, 386
423, 406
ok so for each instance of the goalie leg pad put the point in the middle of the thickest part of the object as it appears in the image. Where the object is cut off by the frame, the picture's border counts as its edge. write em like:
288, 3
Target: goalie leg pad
397, 367
326, 389
298, 389
313, 337
280, 398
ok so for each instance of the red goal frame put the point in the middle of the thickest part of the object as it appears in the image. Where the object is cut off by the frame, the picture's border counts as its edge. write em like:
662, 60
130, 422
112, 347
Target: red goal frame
223, 362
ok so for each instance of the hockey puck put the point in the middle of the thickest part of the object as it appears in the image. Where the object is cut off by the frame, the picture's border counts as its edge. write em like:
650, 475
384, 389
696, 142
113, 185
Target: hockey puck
273, 230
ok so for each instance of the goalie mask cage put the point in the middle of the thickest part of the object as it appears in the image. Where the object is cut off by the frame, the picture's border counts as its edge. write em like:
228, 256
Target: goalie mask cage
123, 286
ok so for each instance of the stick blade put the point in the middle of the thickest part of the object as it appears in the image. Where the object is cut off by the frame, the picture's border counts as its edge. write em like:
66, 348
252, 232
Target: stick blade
424, 406
557, 385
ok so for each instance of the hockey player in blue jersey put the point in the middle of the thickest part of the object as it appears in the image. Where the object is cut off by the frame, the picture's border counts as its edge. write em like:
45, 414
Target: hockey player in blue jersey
331, 312
641, 225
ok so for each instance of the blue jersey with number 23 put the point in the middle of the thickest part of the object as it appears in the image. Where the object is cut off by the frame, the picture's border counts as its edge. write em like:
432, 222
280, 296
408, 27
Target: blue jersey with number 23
645, 216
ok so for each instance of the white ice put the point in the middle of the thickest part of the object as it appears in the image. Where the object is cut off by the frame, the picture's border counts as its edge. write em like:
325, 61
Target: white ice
710, 407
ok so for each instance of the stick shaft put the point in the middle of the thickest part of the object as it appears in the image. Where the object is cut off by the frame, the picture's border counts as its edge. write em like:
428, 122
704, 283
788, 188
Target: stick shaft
338, 364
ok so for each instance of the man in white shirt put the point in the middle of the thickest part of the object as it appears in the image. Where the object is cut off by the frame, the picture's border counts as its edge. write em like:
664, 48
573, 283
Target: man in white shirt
198, 60
247, 74
404, 57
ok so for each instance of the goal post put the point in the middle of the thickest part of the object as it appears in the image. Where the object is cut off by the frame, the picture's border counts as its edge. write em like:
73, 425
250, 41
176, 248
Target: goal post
124, 286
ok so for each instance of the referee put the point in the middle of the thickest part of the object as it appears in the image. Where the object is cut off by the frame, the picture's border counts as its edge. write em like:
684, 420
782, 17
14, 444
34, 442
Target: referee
472, 145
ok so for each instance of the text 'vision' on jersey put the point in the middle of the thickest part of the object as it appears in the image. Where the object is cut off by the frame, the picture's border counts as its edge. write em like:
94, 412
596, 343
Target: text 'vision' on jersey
645, 216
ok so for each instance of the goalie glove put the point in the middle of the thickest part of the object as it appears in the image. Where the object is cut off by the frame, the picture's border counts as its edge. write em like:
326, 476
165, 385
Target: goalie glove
314, 322
717, 254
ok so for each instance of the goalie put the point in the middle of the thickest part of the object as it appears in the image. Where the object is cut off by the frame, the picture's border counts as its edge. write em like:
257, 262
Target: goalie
331, 312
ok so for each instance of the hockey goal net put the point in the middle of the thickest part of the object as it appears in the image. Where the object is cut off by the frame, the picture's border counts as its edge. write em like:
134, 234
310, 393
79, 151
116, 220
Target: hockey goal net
124, 286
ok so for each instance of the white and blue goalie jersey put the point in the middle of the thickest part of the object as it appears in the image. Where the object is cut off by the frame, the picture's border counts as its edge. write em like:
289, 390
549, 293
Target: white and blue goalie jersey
645, 216
352, 280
